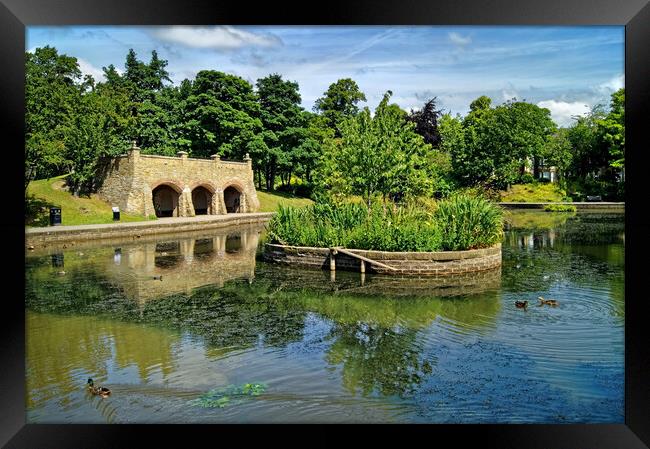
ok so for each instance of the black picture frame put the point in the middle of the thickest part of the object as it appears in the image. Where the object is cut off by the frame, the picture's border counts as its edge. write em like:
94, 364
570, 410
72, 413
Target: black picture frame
15, 15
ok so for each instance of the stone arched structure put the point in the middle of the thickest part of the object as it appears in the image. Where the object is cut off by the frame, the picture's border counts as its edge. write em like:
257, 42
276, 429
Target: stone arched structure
138, 184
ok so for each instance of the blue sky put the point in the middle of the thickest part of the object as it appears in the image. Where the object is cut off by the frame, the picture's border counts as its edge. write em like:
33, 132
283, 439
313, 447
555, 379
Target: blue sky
566, 69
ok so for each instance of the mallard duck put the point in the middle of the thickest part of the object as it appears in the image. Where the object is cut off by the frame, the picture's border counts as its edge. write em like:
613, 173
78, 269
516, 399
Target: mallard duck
521, 304
99, 391
548, 302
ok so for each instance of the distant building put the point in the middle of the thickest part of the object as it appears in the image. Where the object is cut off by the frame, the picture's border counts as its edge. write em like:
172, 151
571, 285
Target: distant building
543, 171
179, 186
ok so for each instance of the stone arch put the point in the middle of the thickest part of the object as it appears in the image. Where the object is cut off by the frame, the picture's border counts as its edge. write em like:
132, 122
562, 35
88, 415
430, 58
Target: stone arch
203, 199
166, 197
234, 198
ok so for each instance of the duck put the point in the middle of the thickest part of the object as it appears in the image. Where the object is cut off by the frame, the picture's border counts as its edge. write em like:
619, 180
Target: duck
548, 302
157, 278
521, 304
99, 391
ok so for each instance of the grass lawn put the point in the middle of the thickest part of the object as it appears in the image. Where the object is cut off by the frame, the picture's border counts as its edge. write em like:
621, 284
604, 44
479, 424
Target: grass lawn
534, 193
269, 201
45, 193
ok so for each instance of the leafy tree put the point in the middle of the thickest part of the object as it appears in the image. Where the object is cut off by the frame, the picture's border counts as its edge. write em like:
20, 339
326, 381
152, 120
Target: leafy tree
283, 121
219, 115
101, 130
612, 129
53, 89
498, 141
339, 101
380, 154
426, 122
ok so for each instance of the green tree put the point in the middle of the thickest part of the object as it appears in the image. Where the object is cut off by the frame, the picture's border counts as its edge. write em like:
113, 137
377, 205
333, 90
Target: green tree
380, 154
284, 122
219, 115
612, 129
339, 101
100, 131
498, 142
53, 90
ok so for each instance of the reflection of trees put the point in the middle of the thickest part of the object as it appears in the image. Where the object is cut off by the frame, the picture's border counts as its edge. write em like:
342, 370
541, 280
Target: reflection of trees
63, 351
376, 358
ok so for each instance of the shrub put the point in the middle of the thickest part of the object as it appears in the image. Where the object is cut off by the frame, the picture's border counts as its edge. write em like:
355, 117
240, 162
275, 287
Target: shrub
560, 208
526, 178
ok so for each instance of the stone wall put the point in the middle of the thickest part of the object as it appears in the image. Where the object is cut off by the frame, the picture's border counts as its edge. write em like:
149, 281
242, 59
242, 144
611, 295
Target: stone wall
131, 179
440, 263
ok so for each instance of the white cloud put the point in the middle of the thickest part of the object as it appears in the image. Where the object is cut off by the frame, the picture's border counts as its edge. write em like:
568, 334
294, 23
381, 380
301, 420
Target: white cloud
563, 112
215, 37
458, 39
612, 85
509, 94
88, 69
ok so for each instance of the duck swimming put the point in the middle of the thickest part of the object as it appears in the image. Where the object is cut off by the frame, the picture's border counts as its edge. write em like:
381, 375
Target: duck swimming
521, 304
548, 302
99, 391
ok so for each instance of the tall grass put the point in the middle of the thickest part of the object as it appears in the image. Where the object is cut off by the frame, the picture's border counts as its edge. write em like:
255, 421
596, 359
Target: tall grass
458, 223
469, 222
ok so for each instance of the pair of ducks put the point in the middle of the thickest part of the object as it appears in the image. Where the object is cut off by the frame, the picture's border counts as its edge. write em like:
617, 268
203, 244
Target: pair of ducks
542, 301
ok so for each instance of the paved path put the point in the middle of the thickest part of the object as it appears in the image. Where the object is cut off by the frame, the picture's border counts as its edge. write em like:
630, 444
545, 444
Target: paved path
50, 234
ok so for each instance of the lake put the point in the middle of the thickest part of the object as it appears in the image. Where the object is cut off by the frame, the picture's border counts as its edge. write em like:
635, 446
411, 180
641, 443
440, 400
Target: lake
181, 328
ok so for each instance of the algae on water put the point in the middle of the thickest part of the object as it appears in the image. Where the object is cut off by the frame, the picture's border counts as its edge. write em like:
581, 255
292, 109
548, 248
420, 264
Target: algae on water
232, 394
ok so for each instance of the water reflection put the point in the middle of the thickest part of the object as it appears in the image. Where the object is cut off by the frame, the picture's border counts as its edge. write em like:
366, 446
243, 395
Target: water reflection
378, 349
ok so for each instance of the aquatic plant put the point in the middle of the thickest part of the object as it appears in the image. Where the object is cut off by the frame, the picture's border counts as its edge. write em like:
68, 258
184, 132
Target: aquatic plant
469, 222
458, 223
232, 394
560, 208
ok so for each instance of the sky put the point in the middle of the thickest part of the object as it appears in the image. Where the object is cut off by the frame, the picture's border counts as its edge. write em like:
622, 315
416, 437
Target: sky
565, 69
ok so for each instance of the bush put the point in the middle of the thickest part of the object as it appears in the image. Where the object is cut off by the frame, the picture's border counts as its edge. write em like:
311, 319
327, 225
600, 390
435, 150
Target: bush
560, 208
526, 178
464, 223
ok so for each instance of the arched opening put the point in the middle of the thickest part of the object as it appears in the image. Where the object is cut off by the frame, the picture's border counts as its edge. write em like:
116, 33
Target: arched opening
232, 198
165, 201
202, 199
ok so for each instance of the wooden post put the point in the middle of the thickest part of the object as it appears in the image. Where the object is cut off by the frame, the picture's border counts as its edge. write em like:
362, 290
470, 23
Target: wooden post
332, 259
363, 278
363, 266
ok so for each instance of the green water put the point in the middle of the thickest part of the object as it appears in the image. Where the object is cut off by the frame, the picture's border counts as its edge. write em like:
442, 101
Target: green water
348, 349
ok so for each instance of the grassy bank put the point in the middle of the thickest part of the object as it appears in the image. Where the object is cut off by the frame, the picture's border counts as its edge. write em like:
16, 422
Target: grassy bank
458, 223
534, 193
45, 193
269, 201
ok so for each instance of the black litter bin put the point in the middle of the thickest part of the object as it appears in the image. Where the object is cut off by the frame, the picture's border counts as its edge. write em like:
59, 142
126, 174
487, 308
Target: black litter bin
55, 216
116, 214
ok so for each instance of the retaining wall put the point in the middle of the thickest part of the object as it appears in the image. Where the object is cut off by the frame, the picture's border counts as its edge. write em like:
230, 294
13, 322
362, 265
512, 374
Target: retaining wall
440, 263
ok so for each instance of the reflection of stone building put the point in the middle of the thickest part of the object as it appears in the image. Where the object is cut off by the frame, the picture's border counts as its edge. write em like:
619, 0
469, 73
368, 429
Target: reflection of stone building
184, 264
179, 186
